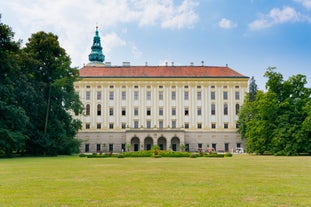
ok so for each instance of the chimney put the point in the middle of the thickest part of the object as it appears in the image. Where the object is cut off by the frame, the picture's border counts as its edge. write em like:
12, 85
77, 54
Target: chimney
202, 63
191, 63
126, 64
166, 64
172, 63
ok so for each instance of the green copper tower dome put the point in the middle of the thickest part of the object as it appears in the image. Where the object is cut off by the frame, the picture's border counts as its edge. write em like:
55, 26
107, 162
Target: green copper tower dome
96, 54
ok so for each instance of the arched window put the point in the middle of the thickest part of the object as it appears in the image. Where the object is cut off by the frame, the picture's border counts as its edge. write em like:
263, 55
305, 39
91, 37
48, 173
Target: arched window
88, 109
99, 110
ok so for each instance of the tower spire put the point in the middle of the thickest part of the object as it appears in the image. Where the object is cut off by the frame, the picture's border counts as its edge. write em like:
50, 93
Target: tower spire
96, 55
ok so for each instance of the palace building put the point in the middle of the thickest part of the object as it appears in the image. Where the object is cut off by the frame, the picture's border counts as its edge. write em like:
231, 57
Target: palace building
175, 107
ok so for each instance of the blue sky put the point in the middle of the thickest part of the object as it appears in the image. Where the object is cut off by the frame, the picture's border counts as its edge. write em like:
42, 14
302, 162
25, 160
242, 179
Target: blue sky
248, 35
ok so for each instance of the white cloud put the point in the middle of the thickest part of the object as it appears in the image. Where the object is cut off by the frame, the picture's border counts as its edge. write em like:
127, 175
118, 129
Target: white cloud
226, 24
74, 20
167, 14
276, 16
305, 3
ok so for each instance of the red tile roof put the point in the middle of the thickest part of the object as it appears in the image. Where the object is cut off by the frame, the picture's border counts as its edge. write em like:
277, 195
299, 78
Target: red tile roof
159, 71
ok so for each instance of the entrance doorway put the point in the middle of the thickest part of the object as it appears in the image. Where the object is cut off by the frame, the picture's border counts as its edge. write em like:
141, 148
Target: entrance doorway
136, 147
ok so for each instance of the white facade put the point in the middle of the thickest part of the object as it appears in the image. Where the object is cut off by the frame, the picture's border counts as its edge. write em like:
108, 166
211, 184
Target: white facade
170, 112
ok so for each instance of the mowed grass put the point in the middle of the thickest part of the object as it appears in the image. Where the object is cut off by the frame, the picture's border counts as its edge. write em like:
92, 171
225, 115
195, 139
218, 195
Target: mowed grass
242, 180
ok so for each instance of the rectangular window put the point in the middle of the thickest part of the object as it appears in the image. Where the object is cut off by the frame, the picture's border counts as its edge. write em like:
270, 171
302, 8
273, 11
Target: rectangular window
160, 111
88, 109
213, 109
111, 95
136, 95
99, 126
199, 95
173, 95
86, 147
99, 110
87, 126
110, 125
148, 123
136, 124
97, 147
199, 126
135, 111
148, 112
225, 109
173, 111
186, 111
226, 125
226, 147
161, 124
237, 109
160, 95
213, 95
110, 147
148, 95
88, 95
174, 124
214, 146
110, 111
199, 111
225, 95
123, 125
123, 112
187, 125
186, 95
213, 126
199, 145
237, 95
99, 95
123, 94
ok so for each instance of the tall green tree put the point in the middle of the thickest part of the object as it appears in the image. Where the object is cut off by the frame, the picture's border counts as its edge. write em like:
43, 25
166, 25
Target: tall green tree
13, 119
52, 128
252, 89
277, 120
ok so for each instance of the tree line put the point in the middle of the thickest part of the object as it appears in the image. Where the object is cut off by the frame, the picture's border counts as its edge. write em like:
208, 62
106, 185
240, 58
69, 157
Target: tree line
277, 121
37, 101
37, 97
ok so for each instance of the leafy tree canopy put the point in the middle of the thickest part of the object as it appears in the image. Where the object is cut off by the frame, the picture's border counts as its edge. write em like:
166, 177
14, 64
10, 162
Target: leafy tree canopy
278, 121
37, 97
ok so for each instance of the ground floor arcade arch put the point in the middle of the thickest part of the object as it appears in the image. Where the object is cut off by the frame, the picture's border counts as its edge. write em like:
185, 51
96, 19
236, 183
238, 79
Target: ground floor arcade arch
135, 144
175, 144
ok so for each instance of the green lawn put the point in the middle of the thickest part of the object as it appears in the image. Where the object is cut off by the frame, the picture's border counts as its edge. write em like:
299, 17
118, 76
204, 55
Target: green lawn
241, 180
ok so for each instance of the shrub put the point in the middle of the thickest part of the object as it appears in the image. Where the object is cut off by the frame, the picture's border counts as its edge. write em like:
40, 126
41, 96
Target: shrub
174, 154
156, 156
142, 153
82, 155
215, 155
228, 154
193, 155
97, 156
120, 156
